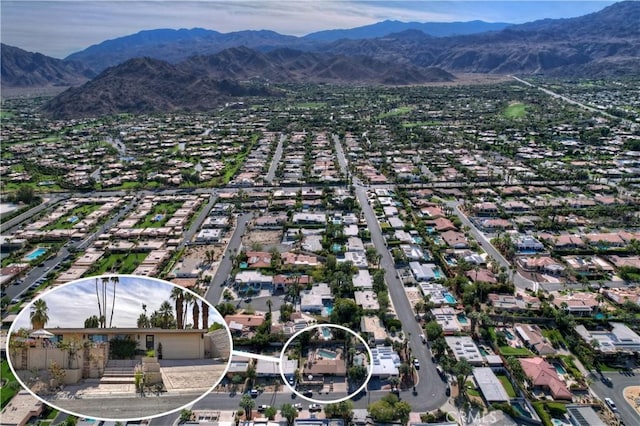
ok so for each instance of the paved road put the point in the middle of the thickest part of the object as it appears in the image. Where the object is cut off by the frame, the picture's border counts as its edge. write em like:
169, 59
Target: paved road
226, 264
519, 281
227, 402
197, 222
276, 159
6, 226
572, 101
342, 160
616, 392
125, 408
431, 389
50, 264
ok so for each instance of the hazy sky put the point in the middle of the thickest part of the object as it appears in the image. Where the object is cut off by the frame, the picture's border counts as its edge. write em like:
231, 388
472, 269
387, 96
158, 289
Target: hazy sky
71, 304
59, 28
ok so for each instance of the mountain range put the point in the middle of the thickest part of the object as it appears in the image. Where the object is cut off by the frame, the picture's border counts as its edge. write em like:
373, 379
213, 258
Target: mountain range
25, 69
145, 85
601, 44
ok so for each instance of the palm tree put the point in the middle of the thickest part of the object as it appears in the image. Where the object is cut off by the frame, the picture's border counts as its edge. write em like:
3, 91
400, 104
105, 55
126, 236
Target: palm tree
115, 280
165, 313
269, 305
205, 315
38, 315
289, 412
247, 403
143, 321
177, 295
100, 316
195, 312
189, 298
462, 369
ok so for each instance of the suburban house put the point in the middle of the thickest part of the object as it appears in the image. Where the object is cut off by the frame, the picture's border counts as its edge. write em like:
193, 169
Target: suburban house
620, 338
532, 336
544, 376
254, 280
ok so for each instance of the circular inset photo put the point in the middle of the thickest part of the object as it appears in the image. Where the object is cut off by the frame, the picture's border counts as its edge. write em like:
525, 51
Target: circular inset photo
119, 347
326, 363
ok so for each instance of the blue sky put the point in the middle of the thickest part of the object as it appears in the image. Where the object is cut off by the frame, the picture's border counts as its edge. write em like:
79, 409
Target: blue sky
59, 28
69, 305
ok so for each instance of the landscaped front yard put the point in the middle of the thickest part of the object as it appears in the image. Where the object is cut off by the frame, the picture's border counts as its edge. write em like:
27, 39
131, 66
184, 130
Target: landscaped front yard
67, 221
123, 263
511, 351
507, 385
159, 215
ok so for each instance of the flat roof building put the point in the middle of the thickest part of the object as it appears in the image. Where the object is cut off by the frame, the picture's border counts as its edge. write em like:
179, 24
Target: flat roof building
464, 347
490, 385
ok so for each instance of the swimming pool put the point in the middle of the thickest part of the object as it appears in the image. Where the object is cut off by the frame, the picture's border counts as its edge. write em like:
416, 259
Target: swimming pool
508, 334
158, 218
449, 298
527, 251
73, 219
328, 309
437, 273
559, 368
462, 319
326, 333
325, 353
417, 240
520, 409
36, 253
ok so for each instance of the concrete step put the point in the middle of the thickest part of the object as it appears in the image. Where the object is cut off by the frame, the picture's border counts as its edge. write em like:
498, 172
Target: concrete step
119, 370
117, 380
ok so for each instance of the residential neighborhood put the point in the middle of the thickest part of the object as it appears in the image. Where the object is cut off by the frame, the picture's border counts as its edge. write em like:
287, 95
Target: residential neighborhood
481, 241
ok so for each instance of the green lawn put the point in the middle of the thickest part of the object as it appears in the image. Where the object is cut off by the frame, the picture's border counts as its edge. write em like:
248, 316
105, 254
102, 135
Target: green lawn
395, 111
515, 110
507, 385
509, 351
471, 390
608, 368
11, 387
80, 212
407, 125
165, 209
122, 263
554, 336
310, 105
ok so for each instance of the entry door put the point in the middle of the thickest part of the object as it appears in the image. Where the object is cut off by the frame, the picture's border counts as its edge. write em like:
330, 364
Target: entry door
150, 342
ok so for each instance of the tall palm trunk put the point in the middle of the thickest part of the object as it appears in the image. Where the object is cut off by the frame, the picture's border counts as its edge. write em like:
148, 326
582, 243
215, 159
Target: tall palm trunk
103, 318
195, 313
115, 281
99, 306
205, 315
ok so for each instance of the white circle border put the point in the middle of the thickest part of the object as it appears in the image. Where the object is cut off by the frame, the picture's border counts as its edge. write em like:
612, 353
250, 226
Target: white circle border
46, 291
320, 401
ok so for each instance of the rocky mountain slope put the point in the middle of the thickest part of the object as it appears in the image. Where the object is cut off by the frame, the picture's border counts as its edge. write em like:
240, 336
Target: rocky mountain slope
145, 85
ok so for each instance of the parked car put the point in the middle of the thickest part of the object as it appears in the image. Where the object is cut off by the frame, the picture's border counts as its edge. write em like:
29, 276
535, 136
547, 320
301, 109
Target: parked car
423, 338
254, 393
315, 407
611, 404
297, 406
262, 407
607, 381
307, 393
395, 390
416, 364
